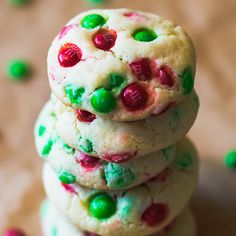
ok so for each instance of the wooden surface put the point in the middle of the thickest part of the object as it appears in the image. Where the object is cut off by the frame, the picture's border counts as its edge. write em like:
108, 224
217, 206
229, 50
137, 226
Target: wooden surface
27, 33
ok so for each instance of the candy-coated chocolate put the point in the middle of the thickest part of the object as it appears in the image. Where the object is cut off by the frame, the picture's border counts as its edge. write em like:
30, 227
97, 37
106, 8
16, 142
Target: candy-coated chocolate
66, 177
187, 80
18, 69
184, 162
134, 97
142, 68
14, 232
104, 39
85, 116
102, 206
86, 146
165, 76
47, 148
144, 35
41, 130
87, 161
115, 80
69, 55
103, 101
74, 93
92, 21
230, 159
19, 2
155, 214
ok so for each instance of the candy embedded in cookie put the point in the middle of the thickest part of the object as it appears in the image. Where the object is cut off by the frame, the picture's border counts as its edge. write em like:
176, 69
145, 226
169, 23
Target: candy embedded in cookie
121, 64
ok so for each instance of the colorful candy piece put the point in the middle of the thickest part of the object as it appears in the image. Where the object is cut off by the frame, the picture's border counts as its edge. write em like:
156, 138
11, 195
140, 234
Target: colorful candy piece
102, 206
142, 68
92, 21
144, 35
85, 116
104, 39
115, 80
18, 69
96, 2
66, 177
19, 2
230, 159
69, 55
88, 162
74, 93
134, 97
187, 80
155, 214
14, 232
47, 148
103, 101
165, 76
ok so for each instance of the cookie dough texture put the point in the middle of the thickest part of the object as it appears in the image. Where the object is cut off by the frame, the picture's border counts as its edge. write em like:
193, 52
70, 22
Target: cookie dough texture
172, 187
110, 139
91, 67
54, 223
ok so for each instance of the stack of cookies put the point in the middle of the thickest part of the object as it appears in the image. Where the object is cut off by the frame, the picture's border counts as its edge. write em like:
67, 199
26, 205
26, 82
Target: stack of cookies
112, 134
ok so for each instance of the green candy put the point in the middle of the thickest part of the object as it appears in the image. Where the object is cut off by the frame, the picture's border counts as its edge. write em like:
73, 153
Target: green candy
96, 1
86, 146
103, 101
74, 94
47, 148
115, 80
68, 149
102, 206
144, 35
230, 159
18, 70
184, 162
41, 130
117, 176
92, 21
19, 2
66, 177
187, 80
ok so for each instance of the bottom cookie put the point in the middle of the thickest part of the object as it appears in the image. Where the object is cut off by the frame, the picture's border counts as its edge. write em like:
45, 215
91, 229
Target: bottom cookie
55, 224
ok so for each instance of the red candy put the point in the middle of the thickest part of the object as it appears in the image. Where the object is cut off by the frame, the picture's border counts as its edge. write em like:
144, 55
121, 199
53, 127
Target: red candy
155, 214
14, 232
165, 76
134, 97
104, 39
69, 55
87, 161
65, 30
142, 69
85, 116
119, 158
132, 14
69, 188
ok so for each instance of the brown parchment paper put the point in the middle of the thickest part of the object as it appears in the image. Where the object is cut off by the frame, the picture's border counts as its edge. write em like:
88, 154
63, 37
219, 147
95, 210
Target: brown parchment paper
27, 32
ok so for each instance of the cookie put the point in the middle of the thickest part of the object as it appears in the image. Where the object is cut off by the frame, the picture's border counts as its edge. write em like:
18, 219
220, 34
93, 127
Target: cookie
141, 210
122, 141
121, 64
77, 167
54, 223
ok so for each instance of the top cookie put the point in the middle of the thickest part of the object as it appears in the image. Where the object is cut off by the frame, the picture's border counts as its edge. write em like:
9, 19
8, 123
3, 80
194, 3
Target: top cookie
121, 64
